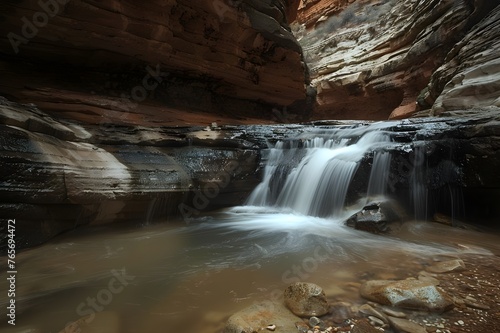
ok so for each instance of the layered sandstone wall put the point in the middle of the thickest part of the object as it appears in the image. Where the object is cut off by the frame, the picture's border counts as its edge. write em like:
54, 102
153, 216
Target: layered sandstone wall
56, 174
470, 77
371, 59
211, 55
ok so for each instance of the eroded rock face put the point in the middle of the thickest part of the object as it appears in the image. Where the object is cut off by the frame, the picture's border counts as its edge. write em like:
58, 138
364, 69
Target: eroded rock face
470, 77
371, 59
56, 175
310, 12
211, 55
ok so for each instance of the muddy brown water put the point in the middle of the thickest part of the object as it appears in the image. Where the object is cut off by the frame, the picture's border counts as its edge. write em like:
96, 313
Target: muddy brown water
189, 277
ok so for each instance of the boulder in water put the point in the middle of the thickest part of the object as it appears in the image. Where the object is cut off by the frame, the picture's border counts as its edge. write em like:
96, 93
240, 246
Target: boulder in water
377, 217
306, 299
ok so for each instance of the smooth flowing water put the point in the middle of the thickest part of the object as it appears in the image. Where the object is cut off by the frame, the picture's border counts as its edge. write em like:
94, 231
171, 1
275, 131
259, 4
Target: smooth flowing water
189, 277
314, 179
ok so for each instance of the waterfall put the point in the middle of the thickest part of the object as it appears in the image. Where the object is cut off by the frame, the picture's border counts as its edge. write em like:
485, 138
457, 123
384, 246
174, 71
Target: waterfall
311, 174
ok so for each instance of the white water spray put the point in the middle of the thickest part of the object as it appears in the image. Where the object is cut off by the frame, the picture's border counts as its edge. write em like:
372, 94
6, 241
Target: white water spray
315, 178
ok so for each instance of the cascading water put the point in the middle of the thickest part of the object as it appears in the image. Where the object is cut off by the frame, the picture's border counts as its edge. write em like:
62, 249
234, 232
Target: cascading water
311, 174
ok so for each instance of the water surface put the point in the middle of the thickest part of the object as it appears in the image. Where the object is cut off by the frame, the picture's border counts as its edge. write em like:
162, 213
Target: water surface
190, 277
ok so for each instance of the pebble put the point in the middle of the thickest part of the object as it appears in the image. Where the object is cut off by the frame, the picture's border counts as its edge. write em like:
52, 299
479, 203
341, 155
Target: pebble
271, 328
313, 321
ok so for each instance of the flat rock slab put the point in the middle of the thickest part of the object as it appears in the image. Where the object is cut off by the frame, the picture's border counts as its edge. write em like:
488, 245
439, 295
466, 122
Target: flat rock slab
259, 316
456, 265
409, 294
404, 325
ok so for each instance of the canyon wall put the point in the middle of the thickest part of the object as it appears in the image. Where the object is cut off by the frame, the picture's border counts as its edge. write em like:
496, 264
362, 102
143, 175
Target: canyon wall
371, 59
89, 88
111, 111
56, 174
233, 58
470, 77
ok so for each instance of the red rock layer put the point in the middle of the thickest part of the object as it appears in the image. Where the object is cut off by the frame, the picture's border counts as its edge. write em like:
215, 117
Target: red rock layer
216, 53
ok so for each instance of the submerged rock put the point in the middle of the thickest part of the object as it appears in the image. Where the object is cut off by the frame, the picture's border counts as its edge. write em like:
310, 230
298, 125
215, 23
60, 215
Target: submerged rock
306, 299
340, 311
456, 265
409, 294
260, 317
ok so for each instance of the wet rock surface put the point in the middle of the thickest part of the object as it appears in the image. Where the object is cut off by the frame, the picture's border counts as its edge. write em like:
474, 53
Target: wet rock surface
377, 217
264, 317
411, 294
456, 265
306, 299
57, 175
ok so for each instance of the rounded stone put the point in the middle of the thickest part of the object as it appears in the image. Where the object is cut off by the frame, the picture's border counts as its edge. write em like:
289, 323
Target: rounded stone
306, 299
